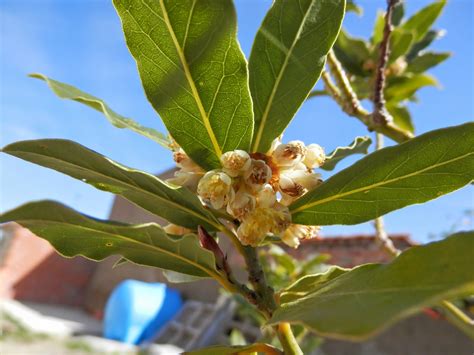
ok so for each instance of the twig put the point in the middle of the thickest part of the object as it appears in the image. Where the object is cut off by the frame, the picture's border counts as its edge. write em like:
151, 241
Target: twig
351, 105
380, 115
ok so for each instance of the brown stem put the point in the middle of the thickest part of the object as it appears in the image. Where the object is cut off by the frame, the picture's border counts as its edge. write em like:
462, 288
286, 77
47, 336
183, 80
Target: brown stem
380, 115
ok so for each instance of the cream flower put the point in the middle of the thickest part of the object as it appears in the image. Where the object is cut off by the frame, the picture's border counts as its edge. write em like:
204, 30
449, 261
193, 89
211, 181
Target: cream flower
296, 232
266, 197
215, 188
289, 154
261, 222
315, 156
235, 162
184, 162
241, 204
257, 175
186, 179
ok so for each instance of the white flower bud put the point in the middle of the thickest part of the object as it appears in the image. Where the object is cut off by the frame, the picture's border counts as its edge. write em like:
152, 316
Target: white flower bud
289, 186
289, 154
266, 197
306, 179
235, 162
315, 156
215, 188
241, 204
276, 142
258, 174
296, 232
176, 230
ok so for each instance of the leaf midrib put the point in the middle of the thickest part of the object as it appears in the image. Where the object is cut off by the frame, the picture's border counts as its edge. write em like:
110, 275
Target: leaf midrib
187, 73
264, 118
119, 236
373, 186
178, 206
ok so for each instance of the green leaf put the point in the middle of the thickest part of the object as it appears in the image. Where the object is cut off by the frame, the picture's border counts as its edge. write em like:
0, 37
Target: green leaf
72, 233
379, 25
426, 61
403, 87
419, 170
287, 58
401, 116
359, 303
425, 42
421, 22
193, 72
352, 53
351, 6
176, 204
400, 43
398, 13
360, 145
233, 350
65, 91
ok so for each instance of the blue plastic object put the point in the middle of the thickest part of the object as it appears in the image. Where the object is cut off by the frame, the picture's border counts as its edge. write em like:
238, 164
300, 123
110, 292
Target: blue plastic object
137, 310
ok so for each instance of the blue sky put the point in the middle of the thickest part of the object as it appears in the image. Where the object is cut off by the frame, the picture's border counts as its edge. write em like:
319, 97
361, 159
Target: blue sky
80, 42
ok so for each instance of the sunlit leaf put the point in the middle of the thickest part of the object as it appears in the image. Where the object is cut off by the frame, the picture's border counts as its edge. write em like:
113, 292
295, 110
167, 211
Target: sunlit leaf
354, 304
234, 350
424, 42
66, 91
422, 21
287, 58
403, 87
419, 170
193, 72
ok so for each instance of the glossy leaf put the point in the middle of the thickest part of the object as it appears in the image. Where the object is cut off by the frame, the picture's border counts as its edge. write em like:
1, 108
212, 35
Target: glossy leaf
360, 145
234, 350
176, 204
352, 53
72, 233
419, 170
360, 302
402, 88
422, 21
287, 58
426, 61
193, 72
401, 116
66, 91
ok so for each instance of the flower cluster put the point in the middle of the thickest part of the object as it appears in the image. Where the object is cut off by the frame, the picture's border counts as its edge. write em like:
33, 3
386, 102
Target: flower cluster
256, 189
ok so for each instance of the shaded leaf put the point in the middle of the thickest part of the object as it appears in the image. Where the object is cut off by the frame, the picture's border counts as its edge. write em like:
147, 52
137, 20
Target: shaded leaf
360, 145
176, 204
401, 116
352, 53
193, 72
72, 233
360, 302
309, 284
426, 61
398, 13
287, 58
353, 7
419, 170
66, 91
403, 87
422, 21
423, 43
178, 277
